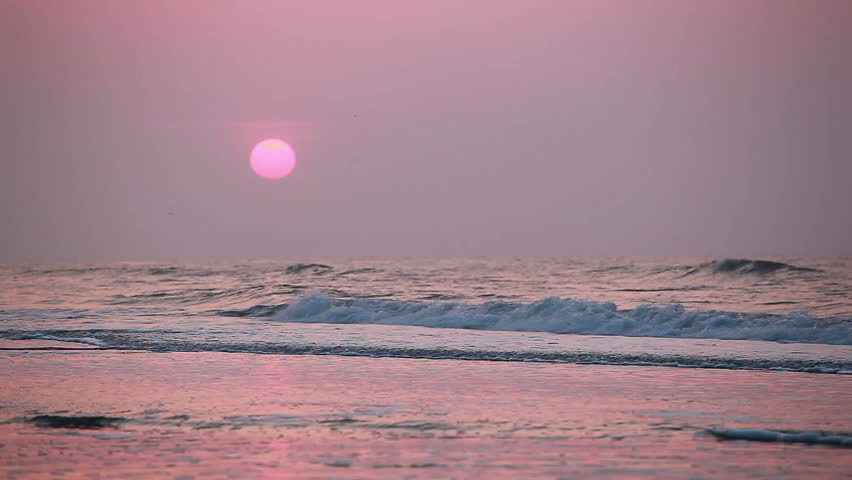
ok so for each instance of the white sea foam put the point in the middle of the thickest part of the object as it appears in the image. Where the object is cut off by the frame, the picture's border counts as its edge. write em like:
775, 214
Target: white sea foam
559, 315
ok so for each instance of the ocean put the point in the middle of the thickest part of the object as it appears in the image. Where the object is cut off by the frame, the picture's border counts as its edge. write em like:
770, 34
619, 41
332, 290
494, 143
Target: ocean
614, 310
388, 349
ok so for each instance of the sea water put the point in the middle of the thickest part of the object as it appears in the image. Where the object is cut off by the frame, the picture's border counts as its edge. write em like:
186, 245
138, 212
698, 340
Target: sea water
428, 368
778, 313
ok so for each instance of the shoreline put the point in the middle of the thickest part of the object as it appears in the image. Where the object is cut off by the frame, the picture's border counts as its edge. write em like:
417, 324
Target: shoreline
417, 342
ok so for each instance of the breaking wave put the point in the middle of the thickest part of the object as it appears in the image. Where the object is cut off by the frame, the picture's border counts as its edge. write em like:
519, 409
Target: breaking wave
746, 266
572, 316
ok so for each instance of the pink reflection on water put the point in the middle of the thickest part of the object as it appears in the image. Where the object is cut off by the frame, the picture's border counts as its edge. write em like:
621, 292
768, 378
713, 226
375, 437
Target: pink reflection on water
346, 417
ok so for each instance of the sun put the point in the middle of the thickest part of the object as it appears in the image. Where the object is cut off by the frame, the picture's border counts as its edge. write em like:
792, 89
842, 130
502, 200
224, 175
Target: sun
272, 158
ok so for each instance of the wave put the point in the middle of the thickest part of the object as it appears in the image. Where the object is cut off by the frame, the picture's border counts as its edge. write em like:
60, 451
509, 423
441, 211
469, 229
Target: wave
118, 269
572, 316
359, 271
747, 267
254, 311
313, 268
205, 296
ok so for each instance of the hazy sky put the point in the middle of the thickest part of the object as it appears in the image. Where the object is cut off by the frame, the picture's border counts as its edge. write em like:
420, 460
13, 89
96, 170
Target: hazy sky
566, 127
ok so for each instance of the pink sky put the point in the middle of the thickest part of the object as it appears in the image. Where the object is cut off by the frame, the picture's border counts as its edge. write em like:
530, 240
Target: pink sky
425, 128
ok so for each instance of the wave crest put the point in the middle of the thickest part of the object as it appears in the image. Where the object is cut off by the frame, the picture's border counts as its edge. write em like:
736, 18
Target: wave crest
559, 315
746, 266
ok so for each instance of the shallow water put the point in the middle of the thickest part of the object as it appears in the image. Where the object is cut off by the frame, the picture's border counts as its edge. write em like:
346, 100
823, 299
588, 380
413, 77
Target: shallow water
266, 416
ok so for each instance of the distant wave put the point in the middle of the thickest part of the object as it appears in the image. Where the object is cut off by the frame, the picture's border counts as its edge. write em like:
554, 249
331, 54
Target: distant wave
201, 296
558, 315
313, 268
254, 311
359, 271
747, 266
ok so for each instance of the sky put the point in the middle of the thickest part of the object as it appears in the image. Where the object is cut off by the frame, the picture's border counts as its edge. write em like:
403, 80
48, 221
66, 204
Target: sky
425, 128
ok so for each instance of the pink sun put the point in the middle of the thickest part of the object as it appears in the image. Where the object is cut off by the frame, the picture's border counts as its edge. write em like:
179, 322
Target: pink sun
273, 158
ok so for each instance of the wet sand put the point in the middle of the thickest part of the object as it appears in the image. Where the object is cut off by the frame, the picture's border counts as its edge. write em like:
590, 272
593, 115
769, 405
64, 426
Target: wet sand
229, 415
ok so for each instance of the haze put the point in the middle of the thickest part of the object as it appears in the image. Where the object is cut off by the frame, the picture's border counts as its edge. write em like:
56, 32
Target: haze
425, 128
